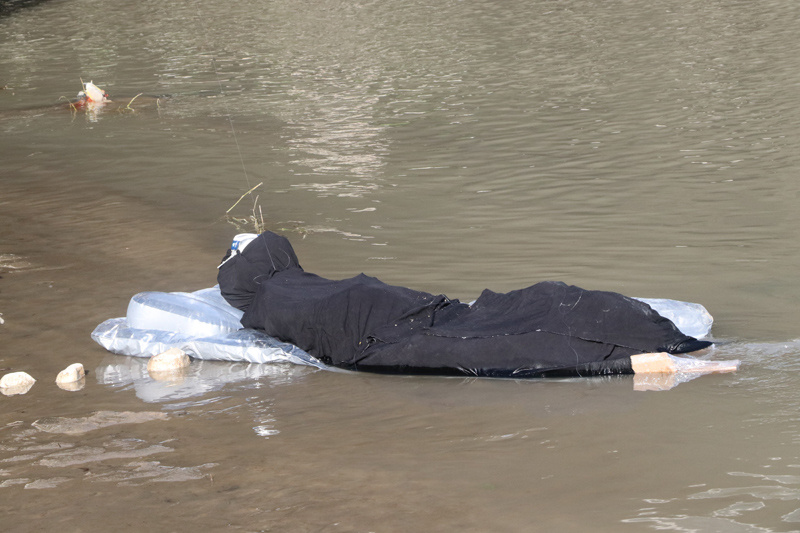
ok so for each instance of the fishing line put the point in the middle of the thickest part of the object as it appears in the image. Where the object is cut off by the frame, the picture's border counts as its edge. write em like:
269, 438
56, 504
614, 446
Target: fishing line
238, 146
230, 121
205, 34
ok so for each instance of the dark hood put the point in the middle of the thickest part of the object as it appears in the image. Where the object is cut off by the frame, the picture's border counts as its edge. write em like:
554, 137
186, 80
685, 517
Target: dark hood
240, 275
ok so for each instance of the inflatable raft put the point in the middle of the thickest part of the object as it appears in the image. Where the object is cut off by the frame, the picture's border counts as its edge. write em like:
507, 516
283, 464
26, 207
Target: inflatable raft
200, 323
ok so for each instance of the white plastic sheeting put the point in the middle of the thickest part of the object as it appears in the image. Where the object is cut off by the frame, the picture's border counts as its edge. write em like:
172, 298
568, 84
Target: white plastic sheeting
200, 323
692, 319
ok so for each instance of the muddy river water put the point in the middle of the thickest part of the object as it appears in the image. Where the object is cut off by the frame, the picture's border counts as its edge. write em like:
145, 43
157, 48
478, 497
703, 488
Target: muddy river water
647, 148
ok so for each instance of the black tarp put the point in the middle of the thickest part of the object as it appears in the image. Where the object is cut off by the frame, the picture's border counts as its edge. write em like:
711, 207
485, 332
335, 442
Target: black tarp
361, 323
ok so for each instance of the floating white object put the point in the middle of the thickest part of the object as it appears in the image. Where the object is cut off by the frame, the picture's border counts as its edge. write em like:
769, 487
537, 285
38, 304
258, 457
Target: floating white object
16, 383
205, 327
71, 374
93, 94
691, 318
171, 360
186, 313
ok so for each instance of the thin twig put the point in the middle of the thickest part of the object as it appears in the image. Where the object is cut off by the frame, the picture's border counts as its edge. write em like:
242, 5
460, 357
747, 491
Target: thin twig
242, 197
69, 102
132, 99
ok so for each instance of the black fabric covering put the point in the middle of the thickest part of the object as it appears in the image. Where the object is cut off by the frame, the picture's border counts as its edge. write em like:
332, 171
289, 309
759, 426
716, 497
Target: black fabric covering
546, 330
241, 274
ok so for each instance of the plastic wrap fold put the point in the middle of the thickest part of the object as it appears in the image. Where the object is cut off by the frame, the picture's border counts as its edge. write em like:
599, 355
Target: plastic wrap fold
691, 318
201, 324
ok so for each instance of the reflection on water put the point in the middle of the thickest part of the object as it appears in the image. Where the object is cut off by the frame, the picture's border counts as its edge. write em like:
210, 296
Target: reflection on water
200, 378
192, 387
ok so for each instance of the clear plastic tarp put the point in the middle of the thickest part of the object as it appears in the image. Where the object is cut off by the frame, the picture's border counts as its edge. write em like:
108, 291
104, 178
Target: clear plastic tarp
692, 319
200, 323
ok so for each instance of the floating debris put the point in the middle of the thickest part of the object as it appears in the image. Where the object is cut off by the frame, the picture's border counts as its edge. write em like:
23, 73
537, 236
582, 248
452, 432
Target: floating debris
92, 95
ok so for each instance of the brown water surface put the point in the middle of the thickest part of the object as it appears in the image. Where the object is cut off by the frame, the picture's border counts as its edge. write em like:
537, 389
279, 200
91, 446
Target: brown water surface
651, 149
